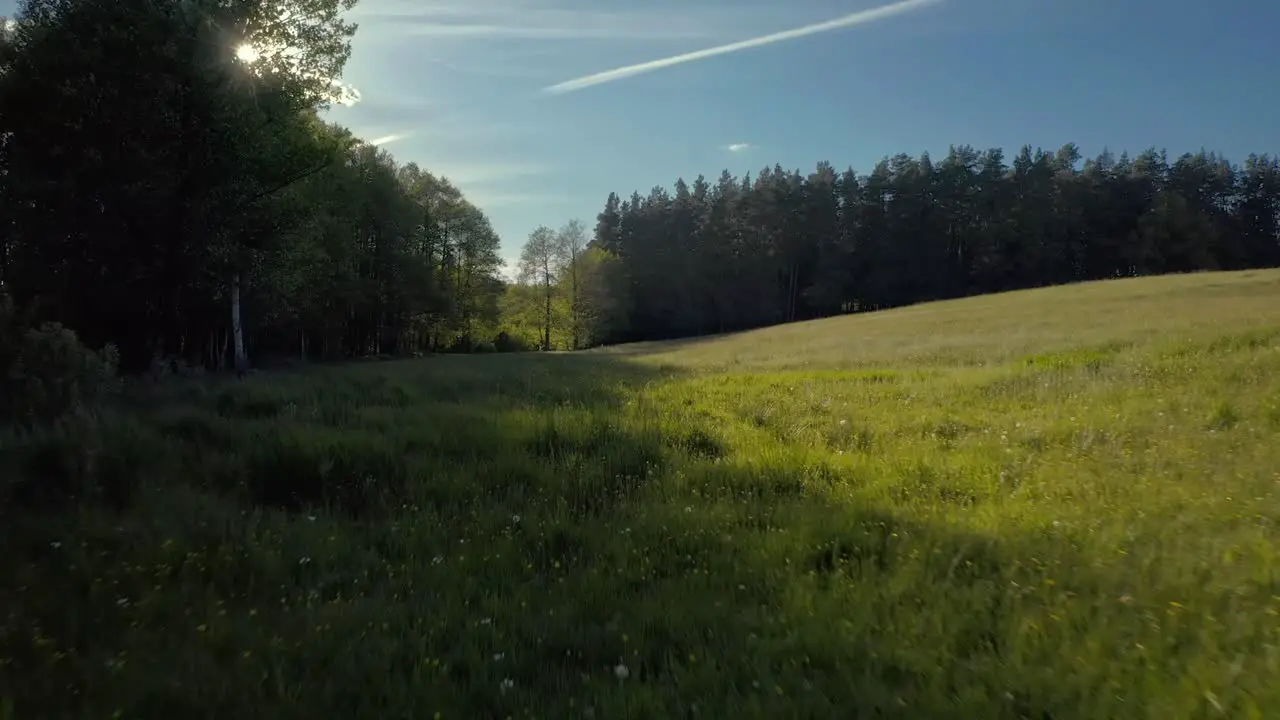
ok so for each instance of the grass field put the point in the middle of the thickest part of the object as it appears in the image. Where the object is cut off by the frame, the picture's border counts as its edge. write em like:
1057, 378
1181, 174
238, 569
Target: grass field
1050, 504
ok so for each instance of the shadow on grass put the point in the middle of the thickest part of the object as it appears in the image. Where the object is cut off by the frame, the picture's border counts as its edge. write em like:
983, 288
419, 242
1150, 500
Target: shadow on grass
194, 500
771, 601
348, 436
761, 593
486, 537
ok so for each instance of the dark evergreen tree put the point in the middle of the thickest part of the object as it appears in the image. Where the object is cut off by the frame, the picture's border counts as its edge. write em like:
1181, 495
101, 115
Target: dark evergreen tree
782, 246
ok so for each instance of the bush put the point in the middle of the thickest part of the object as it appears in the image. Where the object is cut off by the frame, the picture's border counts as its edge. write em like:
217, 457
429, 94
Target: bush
484, 346
505, 343
47, 373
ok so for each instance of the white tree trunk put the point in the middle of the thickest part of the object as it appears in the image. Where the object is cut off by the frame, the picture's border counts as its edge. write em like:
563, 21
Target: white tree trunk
237, 333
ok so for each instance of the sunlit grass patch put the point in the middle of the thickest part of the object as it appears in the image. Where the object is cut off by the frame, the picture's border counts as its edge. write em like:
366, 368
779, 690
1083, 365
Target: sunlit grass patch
1089, 359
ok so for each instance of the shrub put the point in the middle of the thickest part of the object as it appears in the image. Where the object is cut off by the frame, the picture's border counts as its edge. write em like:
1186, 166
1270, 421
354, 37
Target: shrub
505, 343
483, 347
47, 373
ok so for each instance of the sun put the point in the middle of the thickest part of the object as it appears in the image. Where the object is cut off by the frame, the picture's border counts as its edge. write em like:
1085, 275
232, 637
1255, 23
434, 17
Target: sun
247, 53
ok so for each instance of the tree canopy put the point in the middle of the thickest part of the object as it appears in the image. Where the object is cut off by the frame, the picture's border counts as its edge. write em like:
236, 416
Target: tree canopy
167, 184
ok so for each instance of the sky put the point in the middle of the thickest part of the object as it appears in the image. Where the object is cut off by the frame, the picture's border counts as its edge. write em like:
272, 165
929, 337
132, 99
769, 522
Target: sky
515, 101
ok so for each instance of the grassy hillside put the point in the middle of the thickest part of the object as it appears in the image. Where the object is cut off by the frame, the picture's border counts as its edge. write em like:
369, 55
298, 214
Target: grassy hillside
1050, 504
996, 329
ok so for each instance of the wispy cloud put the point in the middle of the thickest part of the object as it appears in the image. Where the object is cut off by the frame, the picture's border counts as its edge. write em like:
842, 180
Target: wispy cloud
385, 139
493, 199
442, 134
549, 32
518, 19
859, 18
485, 173
738, 147
431, 8
514, 70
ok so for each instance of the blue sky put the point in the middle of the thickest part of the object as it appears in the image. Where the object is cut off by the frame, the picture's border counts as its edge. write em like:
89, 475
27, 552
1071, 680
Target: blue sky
459, 86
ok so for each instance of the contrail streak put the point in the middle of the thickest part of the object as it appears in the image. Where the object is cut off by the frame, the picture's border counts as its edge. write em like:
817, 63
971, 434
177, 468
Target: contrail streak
388, 139
859, 18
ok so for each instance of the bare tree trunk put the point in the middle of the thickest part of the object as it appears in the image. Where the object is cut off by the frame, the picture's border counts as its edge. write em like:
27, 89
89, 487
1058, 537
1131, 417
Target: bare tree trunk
237, 331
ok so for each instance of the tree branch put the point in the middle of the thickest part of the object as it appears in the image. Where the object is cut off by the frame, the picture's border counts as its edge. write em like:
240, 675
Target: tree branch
300, 176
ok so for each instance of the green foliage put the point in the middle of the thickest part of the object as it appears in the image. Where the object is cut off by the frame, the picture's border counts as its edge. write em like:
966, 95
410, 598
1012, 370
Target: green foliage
136, 204
905, 515
588, 302
47, 372
781, 246
604, 300
506, 343
524, 315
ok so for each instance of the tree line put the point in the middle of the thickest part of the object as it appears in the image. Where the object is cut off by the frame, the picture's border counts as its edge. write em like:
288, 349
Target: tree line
783, 246
167, 185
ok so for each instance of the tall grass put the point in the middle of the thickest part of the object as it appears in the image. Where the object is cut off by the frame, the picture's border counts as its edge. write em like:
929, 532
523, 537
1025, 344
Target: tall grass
1059, 503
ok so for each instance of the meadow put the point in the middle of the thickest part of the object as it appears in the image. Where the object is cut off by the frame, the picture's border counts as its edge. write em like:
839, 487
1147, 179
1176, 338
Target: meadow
1058, 503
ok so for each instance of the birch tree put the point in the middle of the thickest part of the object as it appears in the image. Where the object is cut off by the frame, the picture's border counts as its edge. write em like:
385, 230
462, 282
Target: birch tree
571, 240
539, 265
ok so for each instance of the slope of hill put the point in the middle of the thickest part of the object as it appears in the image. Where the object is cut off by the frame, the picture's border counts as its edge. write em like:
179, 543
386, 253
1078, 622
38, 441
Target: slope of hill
990, 329
1056, 503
